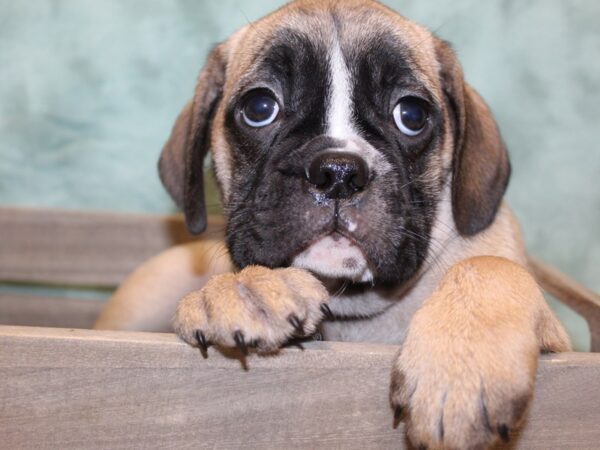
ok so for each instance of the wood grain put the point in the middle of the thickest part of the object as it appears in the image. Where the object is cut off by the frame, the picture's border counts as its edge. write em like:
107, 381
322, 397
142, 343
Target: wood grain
73, 389
572, 294
43, 311
100, 249
84, 248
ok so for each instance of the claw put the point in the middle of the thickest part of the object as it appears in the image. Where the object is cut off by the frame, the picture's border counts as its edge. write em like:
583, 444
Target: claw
398, 415
296, 343
503, 432
296, 323
201, 339
238, 337
326, 311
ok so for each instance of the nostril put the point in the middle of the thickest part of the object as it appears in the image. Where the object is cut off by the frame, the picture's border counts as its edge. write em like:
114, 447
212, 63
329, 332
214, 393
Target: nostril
359, 177
320, 176
358, 182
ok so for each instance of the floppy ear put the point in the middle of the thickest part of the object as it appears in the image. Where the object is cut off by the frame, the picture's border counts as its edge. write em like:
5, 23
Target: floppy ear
481, 166
181, 164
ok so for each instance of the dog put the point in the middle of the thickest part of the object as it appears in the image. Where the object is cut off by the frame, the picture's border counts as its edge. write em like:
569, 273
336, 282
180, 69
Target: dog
362, 182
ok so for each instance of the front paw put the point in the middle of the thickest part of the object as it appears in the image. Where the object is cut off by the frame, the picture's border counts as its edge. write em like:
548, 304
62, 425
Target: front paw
462, 395
256, 307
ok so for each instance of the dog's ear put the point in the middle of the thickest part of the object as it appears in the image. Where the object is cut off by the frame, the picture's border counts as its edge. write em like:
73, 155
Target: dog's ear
181, 164
481, 167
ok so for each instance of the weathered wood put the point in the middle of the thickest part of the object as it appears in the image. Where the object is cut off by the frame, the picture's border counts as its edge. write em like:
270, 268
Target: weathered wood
83, 389
100, 249
83, 248
571, 293
40, 311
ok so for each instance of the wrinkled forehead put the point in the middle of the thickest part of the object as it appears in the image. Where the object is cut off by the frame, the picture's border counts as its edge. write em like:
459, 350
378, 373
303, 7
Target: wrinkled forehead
366, 33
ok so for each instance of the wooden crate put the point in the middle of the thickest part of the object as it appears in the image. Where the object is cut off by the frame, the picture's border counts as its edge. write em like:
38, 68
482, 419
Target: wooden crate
64, 387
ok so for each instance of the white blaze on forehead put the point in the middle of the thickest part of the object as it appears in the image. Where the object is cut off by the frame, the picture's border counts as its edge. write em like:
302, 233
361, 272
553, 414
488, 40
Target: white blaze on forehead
339, 111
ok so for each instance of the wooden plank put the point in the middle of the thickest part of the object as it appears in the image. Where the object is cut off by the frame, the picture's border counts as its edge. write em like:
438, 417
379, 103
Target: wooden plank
43, 311
97, 249
83, 248
572, 294
74, 389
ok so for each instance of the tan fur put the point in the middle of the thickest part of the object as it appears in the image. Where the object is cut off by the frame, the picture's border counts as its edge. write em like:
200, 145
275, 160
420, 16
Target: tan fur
473, 321
478, 330
258, 302
146, 301
313, 18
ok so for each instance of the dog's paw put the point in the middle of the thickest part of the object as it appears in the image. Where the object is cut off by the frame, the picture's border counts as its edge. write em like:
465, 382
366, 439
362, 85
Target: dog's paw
463, 398
257, 307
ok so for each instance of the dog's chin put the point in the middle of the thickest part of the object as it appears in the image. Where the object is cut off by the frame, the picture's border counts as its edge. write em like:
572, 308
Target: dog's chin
335, 257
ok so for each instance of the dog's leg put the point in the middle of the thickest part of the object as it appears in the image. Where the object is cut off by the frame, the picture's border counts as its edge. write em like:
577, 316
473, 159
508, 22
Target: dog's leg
466, 370
147, 299
256, 307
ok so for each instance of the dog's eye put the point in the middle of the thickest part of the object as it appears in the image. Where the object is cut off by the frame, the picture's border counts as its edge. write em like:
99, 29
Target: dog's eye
410, 115
260, 109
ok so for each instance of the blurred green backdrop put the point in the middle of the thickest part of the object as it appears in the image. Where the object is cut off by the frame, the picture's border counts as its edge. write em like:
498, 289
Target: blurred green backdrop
89, 91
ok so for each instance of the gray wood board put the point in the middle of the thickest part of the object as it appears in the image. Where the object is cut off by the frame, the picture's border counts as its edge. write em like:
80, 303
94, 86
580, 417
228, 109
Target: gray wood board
84, 389
43, 311
83, 248
572, 294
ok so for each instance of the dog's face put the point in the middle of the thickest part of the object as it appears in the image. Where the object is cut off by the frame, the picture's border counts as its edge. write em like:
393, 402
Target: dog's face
339, 131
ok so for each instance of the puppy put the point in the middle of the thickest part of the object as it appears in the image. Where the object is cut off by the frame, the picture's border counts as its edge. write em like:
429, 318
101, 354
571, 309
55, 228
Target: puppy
362, 183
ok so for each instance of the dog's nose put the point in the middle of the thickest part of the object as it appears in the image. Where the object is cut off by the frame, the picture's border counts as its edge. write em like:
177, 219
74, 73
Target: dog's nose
338, 175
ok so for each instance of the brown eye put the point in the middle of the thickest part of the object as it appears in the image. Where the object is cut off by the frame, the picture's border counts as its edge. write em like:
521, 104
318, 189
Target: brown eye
260, 109
410, 116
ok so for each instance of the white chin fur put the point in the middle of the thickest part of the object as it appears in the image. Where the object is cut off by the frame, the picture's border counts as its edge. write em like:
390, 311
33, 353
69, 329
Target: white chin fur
335, 257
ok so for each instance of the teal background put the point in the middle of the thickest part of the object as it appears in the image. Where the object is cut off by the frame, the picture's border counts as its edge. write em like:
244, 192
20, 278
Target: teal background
89, 91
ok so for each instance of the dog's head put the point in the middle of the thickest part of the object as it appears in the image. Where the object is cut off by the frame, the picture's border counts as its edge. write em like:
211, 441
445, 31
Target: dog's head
338, 131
